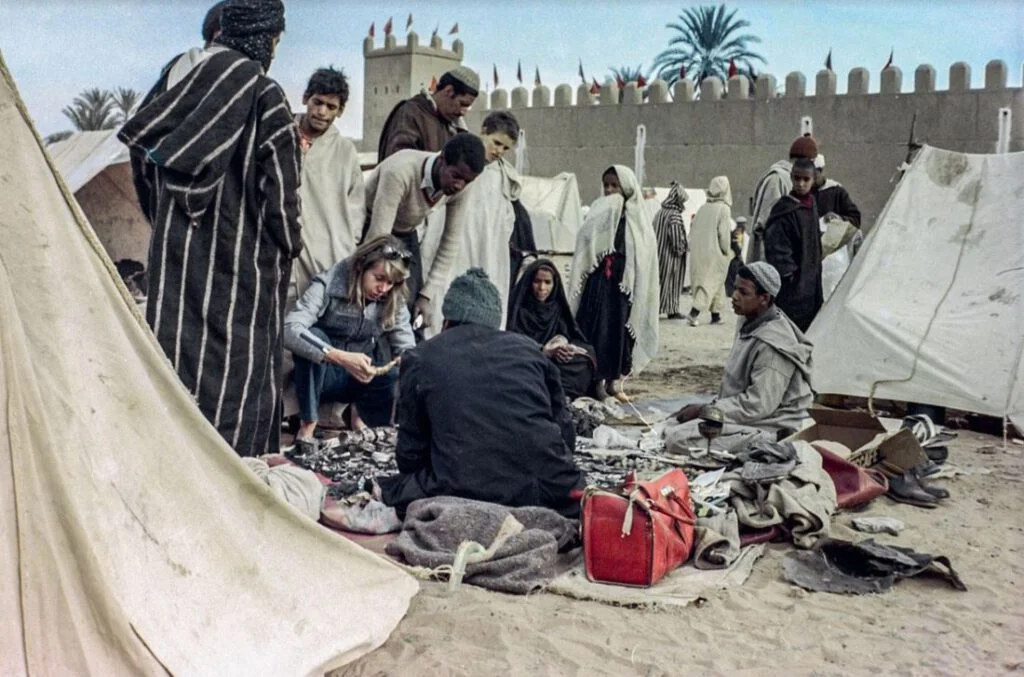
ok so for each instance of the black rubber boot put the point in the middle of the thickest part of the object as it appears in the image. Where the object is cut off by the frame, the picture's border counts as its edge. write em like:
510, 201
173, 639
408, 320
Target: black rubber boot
906, 488
937, 492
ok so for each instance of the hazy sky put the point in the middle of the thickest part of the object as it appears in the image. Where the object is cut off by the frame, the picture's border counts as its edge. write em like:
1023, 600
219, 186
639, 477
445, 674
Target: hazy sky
56, 48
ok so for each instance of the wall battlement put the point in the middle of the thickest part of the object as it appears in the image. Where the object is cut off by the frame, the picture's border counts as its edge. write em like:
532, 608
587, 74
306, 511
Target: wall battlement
412, 46
739, 88
736, 130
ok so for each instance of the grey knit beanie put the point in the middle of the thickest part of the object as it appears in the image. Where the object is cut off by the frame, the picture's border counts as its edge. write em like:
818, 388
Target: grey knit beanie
473, 299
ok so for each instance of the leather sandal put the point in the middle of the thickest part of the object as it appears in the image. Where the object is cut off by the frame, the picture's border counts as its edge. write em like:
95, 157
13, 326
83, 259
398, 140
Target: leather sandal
907, 488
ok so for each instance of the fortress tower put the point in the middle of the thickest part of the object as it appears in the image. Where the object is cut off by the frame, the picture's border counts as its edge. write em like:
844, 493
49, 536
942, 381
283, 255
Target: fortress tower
395, 72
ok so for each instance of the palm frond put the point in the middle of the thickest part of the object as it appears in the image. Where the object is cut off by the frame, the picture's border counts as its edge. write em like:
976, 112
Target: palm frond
704, 40
92, 109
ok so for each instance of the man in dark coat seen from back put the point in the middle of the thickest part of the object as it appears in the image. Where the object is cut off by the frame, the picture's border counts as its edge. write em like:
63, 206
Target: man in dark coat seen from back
482, 414
215, 157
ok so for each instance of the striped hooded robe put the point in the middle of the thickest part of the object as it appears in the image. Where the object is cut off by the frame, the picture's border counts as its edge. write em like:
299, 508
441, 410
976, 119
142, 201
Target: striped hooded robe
670, 230
216, 164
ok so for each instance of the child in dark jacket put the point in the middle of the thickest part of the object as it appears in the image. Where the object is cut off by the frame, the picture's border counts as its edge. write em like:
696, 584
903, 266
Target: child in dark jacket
793, 247
734, 267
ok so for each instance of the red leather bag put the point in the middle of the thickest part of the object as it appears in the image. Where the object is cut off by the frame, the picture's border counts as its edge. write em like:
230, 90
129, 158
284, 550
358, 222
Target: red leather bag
855, 485
637, 536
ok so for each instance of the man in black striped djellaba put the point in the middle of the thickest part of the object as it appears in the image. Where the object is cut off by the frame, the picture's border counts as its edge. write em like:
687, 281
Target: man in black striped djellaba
215, 158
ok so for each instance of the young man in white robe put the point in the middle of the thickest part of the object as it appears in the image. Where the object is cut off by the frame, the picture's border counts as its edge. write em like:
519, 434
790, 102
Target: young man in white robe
490, 216
332, 191
332, 194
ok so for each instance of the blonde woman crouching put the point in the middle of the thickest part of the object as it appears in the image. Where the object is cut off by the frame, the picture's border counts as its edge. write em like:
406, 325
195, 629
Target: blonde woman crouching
336, 332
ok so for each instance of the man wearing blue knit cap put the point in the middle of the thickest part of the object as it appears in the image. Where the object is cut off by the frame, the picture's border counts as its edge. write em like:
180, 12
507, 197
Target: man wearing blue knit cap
481, 413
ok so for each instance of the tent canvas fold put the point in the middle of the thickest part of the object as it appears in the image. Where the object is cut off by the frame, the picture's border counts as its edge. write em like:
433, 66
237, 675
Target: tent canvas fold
932, 308
132, 539
555, 210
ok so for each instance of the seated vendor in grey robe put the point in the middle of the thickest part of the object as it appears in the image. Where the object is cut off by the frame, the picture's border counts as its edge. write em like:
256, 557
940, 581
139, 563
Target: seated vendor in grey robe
481, 413
767, 381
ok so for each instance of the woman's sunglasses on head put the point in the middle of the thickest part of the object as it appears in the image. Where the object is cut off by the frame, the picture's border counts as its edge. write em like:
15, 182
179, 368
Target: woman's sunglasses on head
389, 252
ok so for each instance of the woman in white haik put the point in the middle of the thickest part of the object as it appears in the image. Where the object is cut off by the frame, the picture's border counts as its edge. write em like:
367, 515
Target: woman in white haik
614, 282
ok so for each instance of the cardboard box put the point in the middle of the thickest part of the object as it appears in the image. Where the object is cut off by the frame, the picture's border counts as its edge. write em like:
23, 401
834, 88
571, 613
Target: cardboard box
865, 436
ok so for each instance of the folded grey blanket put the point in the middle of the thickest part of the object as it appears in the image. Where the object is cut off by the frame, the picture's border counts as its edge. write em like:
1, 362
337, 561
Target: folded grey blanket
525, 562
716, 541
804, 501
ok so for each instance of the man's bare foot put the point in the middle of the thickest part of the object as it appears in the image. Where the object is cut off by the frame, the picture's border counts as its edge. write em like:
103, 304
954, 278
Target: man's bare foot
357, 420
306, 430
615, 390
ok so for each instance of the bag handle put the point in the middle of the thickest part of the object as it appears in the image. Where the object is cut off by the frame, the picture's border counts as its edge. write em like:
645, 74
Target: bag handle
878, 476
641, 498
669, 494
684, 518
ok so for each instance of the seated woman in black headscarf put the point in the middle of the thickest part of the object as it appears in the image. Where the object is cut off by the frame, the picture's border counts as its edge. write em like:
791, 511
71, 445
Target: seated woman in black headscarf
539, 309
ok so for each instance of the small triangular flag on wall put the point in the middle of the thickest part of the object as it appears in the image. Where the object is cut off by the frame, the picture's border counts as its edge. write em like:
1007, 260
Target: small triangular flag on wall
732, 68
519, 71
828, 60
595, 88
495, 76
408, 22
455, 29
888, 64
387, 27
536, 78
372, 28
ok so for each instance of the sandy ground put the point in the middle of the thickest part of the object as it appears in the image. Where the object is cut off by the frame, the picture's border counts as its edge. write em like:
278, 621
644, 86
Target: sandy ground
920, 627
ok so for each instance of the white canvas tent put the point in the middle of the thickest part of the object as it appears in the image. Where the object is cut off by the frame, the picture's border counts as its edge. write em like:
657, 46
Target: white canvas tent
95, 167
932, 308
133, 541
555, 211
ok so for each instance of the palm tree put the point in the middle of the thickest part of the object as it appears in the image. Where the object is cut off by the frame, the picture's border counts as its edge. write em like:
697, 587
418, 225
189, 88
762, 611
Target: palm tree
626, 74
91, 110
124, 99
705, 42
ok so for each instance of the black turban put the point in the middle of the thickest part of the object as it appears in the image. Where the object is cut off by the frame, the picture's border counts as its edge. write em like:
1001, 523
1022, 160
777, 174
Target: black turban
249, 26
